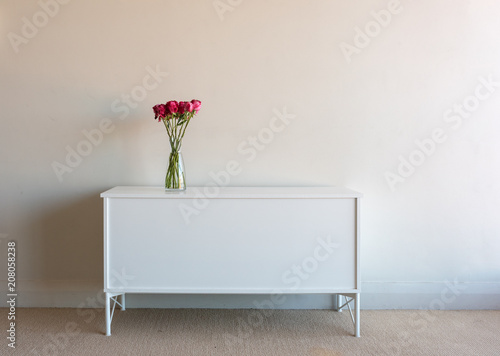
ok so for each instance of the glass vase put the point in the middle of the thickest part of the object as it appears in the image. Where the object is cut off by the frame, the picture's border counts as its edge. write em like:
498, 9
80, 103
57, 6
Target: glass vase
175, 179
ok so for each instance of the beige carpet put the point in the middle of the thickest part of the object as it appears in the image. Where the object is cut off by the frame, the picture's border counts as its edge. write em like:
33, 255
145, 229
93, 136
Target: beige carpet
251, 332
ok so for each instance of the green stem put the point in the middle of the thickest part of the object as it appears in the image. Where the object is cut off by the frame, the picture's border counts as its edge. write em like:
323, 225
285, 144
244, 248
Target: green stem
175, 133
174, 174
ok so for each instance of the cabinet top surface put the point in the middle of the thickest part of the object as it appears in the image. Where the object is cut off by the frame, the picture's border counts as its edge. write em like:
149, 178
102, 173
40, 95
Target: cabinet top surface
213, 192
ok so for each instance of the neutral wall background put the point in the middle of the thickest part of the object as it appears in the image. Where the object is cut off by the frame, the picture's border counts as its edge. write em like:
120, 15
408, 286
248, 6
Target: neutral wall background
361, 94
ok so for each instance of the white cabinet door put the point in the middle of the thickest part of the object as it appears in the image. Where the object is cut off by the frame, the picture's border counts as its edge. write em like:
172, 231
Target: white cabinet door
233, 245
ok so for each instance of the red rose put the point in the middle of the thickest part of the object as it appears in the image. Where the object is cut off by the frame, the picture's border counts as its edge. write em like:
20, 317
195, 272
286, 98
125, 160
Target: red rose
196, 105
160, 111
172, 107
182, 107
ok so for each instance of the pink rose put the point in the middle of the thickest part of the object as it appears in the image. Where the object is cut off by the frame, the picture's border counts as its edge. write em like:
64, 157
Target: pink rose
188, 107
172, 107
160, 111
196, 105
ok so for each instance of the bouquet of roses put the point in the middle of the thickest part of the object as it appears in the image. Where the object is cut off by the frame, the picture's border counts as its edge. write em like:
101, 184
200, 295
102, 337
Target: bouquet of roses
176, 117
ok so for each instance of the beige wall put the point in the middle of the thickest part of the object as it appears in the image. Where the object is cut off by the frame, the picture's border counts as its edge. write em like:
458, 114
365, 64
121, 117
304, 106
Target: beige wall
361, 92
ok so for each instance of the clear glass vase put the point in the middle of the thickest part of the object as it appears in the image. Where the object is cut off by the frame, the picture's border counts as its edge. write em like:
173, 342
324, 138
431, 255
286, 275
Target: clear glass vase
175, 179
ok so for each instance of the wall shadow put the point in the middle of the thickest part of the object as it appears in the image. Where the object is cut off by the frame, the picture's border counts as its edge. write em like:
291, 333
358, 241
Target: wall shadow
71, 236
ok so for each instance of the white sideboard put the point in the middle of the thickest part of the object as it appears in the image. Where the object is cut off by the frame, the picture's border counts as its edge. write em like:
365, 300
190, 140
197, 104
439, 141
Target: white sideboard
232, 240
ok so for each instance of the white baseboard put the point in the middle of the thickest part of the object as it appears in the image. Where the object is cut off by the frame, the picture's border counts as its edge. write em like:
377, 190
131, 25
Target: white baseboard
447, 295
450, 295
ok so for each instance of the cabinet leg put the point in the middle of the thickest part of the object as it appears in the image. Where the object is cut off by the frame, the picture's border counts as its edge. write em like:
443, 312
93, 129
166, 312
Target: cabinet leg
357, 325
123, 301
108, 316
338, 300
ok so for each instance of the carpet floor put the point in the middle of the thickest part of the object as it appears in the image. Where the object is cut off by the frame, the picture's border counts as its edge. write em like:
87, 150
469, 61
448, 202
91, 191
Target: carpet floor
51, 331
